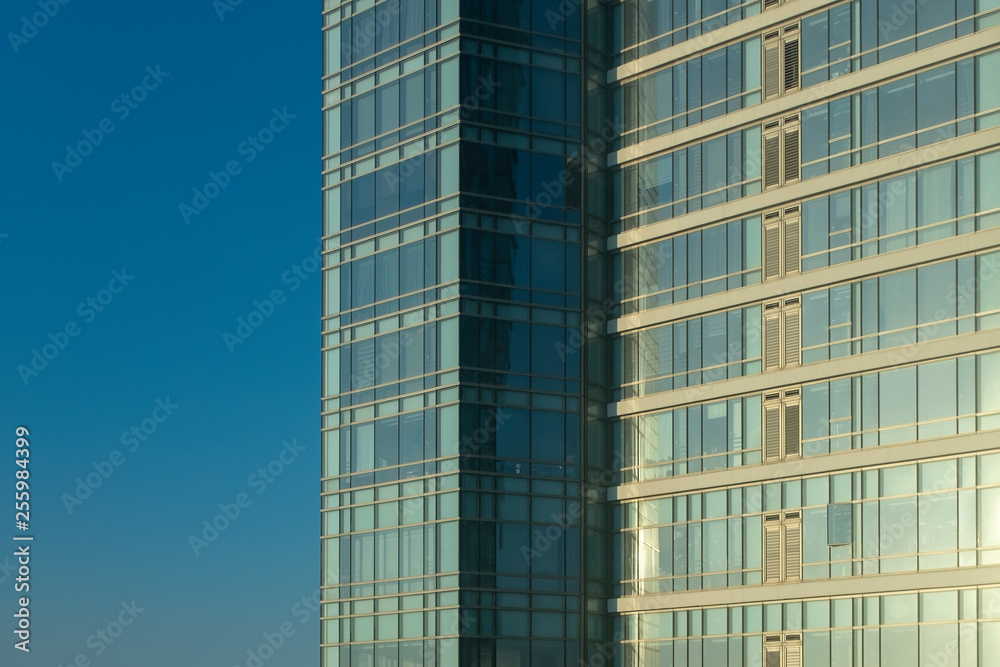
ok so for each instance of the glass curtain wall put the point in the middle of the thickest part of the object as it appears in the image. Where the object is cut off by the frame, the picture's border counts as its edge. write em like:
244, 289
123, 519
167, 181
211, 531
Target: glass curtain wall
804, 363
391, 419
453, 309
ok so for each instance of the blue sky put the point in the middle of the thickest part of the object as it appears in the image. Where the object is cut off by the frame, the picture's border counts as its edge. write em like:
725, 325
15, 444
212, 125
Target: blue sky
148, 352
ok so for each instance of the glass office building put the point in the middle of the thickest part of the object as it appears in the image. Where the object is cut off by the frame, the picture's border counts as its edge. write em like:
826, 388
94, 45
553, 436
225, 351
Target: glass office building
661, 332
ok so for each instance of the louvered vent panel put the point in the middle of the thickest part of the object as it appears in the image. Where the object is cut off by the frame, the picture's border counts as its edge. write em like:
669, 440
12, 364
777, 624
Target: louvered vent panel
772, 161
791, 155
791, 64
793, 551
793, 655
793, 328
772, 251
772, 342
772, 432
792, 246
772, 552
772, 68
792, 430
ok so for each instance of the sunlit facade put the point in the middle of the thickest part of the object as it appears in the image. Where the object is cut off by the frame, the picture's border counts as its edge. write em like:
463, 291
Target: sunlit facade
661, 332
806, 370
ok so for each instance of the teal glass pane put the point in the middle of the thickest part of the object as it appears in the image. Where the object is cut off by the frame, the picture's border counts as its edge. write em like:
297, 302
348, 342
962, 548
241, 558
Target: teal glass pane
988, 90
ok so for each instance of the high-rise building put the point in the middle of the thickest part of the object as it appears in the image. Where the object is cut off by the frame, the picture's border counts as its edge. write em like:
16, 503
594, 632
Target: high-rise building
661, 332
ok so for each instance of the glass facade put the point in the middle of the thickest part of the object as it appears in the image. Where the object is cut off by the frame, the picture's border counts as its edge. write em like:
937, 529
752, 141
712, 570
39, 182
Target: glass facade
455, 483
950, 627
660, 332
920, 516
916, 111
390, 520
804, 385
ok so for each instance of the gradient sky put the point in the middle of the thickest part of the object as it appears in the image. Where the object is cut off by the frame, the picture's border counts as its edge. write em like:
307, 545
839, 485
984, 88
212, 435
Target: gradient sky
161, 336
